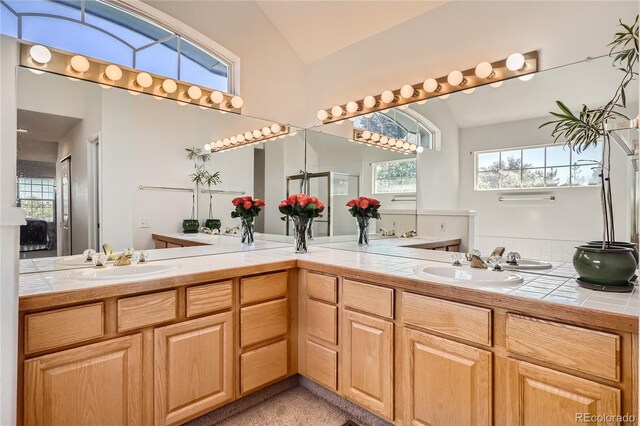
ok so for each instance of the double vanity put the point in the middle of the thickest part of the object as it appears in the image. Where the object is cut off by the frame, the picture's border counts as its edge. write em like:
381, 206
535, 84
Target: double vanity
207, 327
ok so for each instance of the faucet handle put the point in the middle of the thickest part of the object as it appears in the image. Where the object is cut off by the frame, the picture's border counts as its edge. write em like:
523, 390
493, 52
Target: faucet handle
496, 262
100, 259
140, 256
513, 257
88, 255
456, 259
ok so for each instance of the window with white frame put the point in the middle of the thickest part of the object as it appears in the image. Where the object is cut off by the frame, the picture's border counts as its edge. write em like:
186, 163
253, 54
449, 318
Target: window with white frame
398, 125
550, 166
101, 30
395, 177
37, 198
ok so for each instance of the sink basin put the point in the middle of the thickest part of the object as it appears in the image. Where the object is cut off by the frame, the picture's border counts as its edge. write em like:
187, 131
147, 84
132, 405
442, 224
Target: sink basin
74, 261
530, 264
121, 272
467, 275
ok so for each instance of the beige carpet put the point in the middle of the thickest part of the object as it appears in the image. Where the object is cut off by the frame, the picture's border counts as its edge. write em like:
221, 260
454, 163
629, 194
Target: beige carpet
295, 407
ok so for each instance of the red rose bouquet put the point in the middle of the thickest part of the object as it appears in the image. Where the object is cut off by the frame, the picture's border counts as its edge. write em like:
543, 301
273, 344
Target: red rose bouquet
364, 209
246, 209
302, 209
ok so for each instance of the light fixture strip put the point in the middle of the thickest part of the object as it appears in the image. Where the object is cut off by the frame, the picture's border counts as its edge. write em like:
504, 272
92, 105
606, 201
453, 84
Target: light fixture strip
135, 81
390, 99
284, 130
358, 137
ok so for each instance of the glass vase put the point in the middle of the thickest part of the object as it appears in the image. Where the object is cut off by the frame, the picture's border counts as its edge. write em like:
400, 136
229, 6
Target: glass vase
363, 231
300, 230
246, 232
310, 230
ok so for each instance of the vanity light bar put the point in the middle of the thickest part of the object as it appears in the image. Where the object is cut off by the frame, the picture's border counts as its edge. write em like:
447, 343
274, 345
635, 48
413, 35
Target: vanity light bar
252, 137
77, 67
385, 142
516, 65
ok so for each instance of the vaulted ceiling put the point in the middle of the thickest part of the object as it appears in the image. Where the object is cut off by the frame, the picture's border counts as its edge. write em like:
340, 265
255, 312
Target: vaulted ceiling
316, 29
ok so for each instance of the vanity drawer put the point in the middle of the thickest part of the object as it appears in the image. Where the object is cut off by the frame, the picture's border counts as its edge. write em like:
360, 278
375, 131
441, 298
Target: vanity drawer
206, 298
142, 311
465, 322
368, 298
263, 287
263, 322
322, 365
322, 287
577, 348
62, 327
263, 365
322, 321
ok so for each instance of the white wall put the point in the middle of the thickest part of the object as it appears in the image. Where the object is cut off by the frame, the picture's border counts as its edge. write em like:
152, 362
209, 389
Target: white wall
539, 227
272, 76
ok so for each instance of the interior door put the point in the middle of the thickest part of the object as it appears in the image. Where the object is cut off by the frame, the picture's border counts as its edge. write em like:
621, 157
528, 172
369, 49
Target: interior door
65, 207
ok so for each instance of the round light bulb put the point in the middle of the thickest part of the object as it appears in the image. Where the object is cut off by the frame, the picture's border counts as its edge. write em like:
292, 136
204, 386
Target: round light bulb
443, 97
516, 62
40, 54
266, 131
392, 142
219, 143
226, 142
484, 70
399, 144
496, 84
407, 91
406, 145
369, 101
248, 136
80, 63
276, 128
366, 135
422, 102
113, 72
233, 140
384, 140
375, 137
403, 107
257, 134
336, 111
352, 106
455, 78
387, 96
169, 86
194, 92
526, 77
430, 85
207, 147
419, 149
469, 91
144, 79
240, 138
412, 147
237, 102
216, 97
322, 115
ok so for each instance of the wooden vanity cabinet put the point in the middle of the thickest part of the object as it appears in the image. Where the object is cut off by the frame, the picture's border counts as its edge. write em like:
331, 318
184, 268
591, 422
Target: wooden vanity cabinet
98, 384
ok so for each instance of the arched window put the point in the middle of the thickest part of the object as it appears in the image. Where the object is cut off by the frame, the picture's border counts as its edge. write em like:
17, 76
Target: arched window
399, 125
101, 30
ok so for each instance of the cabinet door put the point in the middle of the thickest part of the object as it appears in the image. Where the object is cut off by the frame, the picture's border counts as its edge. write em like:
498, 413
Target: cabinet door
367, 371
193, 367
444, 382
543, 397
99, 384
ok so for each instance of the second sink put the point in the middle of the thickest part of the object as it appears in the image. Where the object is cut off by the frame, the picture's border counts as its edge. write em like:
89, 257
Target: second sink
466, 275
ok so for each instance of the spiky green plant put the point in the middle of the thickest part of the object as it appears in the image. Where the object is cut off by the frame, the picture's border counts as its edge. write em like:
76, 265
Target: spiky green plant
583, 130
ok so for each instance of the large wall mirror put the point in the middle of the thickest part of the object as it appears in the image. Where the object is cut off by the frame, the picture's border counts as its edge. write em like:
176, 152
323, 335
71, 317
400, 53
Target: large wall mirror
98, 165
488, 174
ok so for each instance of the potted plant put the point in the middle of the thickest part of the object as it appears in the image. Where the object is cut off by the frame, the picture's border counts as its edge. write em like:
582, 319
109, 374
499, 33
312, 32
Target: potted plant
212, 179
364, 209
607, 264
199, 158
301, 208
246, 208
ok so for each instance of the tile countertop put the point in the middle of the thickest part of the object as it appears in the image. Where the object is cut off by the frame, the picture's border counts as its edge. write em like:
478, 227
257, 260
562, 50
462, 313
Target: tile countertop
384, 256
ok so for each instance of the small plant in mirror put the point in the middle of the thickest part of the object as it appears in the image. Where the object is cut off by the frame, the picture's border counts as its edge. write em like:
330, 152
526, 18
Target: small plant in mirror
200, 177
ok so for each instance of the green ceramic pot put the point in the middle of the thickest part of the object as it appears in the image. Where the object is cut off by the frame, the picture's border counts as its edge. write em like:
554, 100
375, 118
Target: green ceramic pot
610, 266
213, 224
190, 226
632, 246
